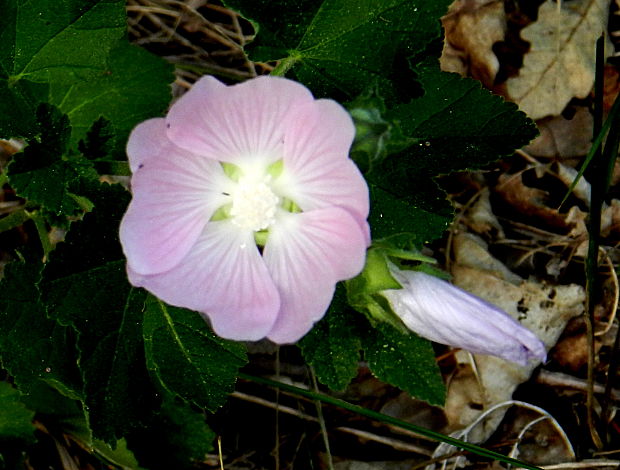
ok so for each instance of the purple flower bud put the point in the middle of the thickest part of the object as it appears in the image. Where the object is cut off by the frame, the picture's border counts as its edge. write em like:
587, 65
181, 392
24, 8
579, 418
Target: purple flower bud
443, 313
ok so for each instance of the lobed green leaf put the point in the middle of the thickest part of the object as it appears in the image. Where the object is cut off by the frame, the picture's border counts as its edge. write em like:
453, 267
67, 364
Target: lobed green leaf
178, 437
69, 38
340, 47
187, 358
45, 172
333, 345
73, 54
86, 288
16, 421
35, 350
406, 361
132, 86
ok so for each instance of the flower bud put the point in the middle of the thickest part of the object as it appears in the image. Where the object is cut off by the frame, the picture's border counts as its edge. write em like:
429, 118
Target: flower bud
443, 313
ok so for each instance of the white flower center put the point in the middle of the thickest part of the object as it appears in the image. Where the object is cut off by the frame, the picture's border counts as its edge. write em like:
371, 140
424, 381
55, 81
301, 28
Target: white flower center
254, 204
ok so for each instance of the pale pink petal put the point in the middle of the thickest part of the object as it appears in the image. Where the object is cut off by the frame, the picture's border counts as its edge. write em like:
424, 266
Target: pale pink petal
145, 141
317, 171
223, 277
326, 184
175, 194
236, 123
320, 129
306, 254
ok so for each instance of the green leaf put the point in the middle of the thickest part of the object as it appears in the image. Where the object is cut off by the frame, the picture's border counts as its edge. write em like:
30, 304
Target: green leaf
188, 433
280, 24
187, 358
333, 346
15, 418
70, 38
178, 438
39, 353
18, 104
73, 54
133, 86
49, 42
118, 455
118, 392
44, 172
457, 125
406, 361
59, 411
328, 48
87, 289
375, 137
406, 224
14, 219
93, 242
99, 141
33, 348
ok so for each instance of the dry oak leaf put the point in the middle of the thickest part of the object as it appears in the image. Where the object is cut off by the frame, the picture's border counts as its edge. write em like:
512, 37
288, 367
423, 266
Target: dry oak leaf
562, 137
560, 63
472, 27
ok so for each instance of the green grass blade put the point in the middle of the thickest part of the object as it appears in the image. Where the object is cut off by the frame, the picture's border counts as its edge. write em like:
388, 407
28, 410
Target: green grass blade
388, 420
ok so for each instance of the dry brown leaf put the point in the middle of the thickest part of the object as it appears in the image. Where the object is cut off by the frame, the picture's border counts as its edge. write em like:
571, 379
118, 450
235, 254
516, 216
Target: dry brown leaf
572, 352
470, 250
563, 138
560, 63
480, 217
471, 28
610, 225
612, 87
567, 175
528, 201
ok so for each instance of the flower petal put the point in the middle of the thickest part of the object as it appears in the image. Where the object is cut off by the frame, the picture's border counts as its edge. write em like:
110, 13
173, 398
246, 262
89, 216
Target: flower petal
448, 315
319, 129
306, 254
223, 277
175, 193
236, 123
145, 141
317, 171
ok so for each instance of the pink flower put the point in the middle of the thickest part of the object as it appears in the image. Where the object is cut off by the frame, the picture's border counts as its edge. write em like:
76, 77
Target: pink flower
443, 313
246, 207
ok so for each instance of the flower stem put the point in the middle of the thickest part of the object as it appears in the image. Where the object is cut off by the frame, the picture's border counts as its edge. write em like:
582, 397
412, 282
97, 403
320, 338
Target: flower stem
286, 64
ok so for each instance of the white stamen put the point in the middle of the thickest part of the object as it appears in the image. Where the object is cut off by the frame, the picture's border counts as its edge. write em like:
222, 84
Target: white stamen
254, 204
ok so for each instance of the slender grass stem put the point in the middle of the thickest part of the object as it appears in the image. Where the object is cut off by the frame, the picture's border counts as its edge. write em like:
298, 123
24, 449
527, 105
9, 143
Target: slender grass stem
466, 446
597, 178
